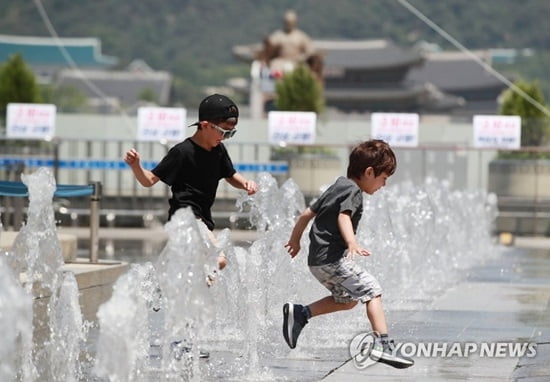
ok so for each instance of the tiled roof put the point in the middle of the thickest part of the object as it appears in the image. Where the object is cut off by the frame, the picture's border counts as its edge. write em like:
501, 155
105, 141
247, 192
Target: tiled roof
350, 54
453, 71
365, 54
124, 86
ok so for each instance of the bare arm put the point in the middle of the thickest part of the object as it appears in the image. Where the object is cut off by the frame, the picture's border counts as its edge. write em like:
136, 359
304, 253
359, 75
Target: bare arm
346, 229
145, 177
293, 245
239, 181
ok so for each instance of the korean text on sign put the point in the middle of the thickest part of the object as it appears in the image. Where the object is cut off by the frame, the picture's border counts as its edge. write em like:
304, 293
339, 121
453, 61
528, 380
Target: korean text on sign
497, 131
30, 120
294, 127
397, 129
161, 123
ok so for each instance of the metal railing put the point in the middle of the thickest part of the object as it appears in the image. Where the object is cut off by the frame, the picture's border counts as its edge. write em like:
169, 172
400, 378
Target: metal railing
18, 190
83, 161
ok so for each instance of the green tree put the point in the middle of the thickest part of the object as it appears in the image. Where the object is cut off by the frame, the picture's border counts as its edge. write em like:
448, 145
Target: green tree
17, 84
148, 95
534, 122
67, 99
299, 90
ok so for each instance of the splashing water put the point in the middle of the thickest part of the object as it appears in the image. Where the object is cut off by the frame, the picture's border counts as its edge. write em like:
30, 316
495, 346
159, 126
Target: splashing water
15, 328
37, 251
424, 235
155, 305
420, 237
162, 305
161, 314
67, 333
47, 348
124, 342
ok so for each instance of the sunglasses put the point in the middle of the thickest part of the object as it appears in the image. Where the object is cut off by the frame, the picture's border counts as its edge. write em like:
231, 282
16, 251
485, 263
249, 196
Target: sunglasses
226, 133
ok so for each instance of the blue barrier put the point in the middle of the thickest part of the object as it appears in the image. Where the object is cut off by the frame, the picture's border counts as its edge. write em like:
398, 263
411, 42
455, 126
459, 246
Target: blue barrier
19, 189
8, 188
99, 164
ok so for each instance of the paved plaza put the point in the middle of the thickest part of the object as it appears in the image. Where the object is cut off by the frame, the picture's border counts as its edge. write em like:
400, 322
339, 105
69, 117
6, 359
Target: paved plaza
506, 300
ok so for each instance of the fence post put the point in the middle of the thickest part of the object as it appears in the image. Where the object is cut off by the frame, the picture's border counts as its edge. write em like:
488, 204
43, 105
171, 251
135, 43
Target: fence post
18, 202
94, 222
56, 159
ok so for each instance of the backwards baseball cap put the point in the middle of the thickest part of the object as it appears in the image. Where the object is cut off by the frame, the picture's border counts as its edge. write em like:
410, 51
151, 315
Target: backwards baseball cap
216, 107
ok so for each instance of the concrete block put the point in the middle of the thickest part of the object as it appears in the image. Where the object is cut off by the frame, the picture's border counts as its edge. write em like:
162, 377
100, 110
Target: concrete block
95, 285
67, 242
520, 178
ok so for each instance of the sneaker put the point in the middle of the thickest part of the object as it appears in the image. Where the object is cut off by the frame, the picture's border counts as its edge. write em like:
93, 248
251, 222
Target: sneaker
294, 320
385, 351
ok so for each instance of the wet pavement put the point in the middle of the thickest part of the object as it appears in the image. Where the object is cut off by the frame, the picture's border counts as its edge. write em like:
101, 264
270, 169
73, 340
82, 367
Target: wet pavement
505, 301
492, 309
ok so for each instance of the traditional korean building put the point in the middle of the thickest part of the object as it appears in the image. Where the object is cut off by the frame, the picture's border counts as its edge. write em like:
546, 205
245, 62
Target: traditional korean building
126, 87
455, 73
378, 75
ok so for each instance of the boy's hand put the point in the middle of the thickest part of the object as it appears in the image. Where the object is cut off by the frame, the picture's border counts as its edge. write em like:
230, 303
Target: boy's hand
354, 249
251, 187
211, 277
222, 262
293, 248
131, 157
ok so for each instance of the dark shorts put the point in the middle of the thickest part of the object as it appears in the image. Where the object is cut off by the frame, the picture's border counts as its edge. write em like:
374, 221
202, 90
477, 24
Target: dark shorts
347, 281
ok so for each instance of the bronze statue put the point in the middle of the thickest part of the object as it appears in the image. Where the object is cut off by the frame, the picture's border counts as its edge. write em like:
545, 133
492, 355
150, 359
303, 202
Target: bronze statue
286, 48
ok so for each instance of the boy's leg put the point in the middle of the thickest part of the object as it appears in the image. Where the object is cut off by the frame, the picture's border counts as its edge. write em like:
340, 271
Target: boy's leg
329, 305
222, 260
296, 316
375, 314
332, 276
384, 349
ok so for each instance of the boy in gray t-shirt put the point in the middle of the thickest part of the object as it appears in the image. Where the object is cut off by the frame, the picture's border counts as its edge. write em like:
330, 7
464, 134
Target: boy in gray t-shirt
333, 244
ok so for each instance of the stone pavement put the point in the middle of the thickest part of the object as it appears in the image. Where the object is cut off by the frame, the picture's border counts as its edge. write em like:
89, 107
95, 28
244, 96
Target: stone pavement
504, 301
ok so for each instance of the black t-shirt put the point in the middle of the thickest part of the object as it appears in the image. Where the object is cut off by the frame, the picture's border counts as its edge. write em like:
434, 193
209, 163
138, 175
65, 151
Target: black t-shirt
326, 242
193, 174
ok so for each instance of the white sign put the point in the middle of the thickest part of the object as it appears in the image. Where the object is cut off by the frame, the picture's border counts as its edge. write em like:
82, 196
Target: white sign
161, 123
30, 120
295, 127
397, 129
497, 131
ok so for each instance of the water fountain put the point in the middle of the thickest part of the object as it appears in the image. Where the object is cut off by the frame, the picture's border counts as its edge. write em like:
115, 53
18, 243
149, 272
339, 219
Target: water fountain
15, 328
46, 322
419, 235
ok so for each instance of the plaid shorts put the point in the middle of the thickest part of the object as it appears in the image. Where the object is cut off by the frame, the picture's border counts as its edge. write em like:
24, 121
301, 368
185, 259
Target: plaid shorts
347, 281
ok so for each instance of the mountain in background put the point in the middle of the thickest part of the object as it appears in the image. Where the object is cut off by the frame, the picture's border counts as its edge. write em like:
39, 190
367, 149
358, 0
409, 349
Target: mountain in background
192, 39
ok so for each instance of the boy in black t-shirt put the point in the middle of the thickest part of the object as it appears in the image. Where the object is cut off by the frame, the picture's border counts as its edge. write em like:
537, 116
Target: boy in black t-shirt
333, 244
194, 167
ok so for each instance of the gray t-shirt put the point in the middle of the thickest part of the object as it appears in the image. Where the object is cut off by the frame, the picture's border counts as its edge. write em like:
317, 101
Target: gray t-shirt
326, 242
